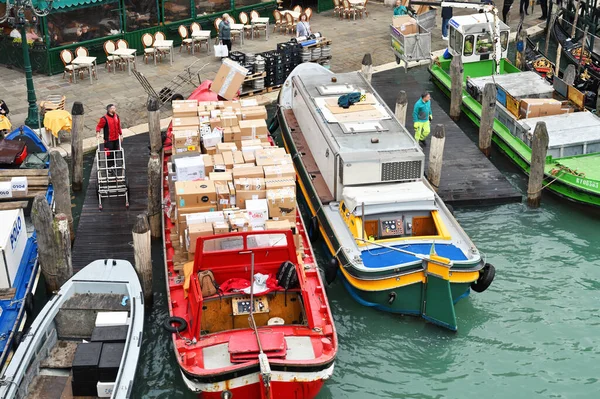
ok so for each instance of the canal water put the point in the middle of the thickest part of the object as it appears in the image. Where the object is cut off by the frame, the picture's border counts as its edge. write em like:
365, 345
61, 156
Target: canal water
532, 334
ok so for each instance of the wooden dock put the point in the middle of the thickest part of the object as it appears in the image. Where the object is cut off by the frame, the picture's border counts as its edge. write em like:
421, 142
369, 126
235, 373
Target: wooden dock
106, 233
468, 177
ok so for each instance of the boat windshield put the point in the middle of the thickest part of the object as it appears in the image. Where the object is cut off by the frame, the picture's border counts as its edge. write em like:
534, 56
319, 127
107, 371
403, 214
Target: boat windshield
266, 241
484, 44
237, 243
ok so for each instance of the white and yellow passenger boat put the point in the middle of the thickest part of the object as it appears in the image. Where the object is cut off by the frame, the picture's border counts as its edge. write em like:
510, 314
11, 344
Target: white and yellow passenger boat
395, 244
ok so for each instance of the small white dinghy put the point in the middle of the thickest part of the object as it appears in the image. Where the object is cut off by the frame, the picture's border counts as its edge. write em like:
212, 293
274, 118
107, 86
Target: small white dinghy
86, 341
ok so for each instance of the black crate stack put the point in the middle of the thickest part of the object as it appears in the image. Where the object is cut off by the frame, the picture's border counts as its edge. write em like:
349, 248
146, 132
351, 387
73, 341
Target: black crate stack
99, 360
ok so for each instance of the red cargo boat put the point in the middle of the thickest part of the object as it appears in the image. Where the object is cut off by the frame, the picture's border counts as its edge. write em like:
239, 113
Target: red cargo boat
282, 347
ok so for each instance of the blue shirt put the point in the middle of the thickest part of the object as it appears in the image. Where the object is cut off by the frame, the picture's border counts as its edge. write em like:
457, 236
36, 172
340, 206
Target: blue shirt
421, 106
401, 10
302, 28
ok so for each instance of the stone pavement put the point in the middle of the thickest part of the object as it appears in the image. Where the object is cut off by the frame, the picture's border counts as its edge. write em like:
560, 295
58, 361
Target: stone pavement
351, 40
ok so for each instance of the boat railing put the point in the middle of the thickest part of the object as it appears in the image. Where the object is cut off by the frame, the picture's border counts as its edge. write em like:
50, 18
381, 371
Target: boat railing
33, 369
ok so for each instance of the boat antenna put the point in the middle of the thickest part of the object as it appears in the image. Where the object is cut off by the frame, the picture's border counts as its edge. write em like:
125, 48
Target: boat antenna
362, 221
263, 360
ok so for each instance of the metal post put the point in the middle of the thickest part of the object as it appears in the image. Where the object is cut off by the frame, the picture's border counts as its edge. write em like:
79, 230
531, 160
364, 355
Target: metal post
557, 63
367, 67
539, 147
574, 27
32, 112
77, 146
401, 107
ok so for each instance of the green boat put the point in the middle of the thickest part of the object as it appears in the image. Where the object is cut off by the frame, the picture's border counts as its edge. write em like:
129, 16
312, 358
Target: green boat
572, 168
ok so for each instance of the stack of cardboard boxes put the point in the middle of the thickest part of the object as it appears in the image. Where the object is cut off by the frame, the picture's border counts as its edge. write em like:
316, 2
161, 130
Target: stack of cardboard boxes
227, 176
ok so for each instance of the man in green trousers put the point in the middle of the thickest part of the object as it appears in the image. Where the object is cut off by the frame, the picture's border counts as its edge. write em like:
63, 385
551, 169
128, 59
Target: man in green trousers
422, 117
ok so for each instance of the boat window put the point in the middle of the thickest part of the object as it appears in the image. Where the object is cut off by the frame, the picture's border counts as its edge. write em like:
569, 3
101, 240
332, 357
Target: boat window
224, 244
504, 40
469, 45
484, 44
458, 43
592, 148
572, 150
267, 240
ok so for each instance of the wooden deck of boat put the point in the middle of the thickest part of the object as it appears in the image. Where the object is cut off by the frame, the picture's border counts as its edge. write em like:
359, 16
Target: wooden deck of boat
106, 233
468, 177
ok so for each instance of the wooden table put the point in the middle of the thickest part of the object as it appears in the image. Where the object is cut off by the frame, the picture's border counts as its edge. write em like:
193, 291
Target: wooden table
355, 3
201, 35
89, 62
260, 21
238, 28
163, 44
125, 54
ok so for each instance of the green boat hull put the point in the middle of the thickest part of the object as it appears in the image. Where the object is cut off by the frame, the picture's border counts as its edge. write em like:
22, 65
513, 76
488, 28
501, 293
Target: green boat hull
575, 187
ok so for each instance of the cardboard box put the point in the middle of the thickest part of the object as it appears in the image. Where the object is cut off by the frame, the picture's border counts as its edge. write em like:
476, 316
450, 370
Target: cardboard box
232, 134
190, 168
537, 107
229, 119
249, 189
182, 215
221, 227
282, 203
243, 165
195, 193
279, 171
194, 231
223, 147
249, 156
254, 129
283, 182
255, 112
227, 158
208, 164
188, 138
258, 212
251, 143
251, 171
277, 225
213, 138
19, 186
184, 108
210, 150
239, 221
185, 121
224, 194
249, 102
274, 160
218, 163
405, 24
229, 79
249, 184
220, 176
238, 158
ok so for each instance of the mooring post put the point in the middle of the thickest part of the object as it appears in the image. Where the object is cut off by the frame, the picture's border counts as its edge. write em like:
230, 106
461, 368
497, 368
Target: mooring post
401, 107
59, 176
557, 63
522, 62
569, 75
488, 114
436, 155
77, 146
154, 199
142, 255
456, 74
367, 67
54, 243
574, 27
539, 147
153, 107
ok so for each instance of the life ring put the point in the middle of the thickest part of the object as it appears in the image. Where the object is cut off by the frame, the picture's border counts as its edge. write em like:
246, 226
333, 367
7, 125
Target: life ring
486, 276
181, 325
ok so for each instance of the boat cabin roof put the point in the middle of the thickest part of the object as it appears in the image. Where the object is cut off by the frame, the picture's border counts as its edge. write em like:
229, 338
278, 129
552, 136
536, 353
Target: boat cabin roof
568, 129
409, 195
355, 133
519, 85
475, 23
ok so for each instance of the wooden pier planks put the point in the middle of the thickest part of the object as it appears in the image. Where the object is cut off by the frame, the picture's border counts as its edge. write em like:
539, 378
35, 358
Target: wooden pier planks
468, 177
107, 233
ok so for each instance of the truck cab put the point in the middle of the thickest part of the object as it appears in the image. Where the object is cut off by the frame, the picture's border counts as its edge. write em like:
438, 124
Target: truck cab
472, 38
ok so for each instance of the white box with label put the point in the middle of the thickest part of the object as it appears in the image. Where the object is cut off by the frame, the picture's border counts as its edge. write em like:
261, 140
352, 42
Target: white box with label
13, 240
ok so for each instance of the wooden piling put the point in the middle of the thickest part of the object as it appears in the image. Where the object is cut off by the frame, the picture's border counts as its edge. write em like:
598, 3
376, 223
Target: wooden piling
436, 155
401, 107
574, 27
153, 108
456, 74
488, 114
569, 75
557, 63
522, 61
77, 146
54, 243
59, 176
154, 199
539, 148
548, 31
367, 67
143, 256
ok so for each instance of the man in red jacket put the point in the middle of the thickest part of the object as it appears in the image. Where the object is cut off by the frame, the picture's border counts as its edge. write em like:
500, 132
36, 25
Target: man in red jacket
111, 125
